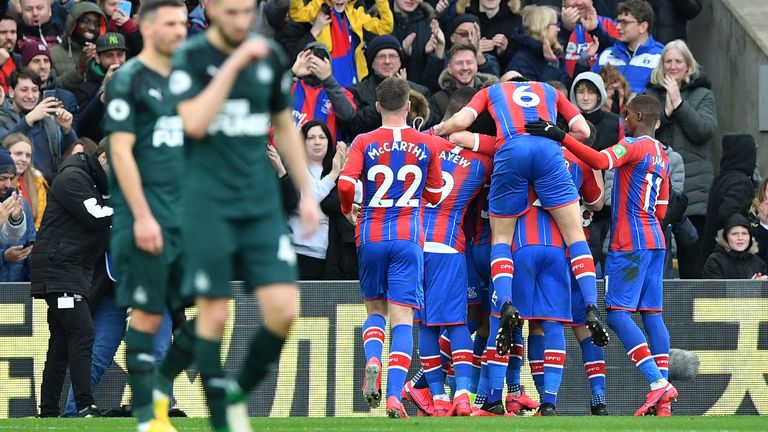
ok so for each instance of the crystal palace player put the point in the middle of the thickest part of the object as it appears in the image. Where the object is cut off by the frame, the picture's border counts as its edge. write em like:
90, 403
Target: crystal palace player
398, 166
521, 160
464, 172
640, 194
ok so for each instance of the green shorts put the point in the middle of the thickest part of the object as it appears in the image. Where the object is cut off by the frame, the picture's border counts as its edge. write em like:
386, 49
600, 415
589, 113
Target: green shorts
260, 248
150, 283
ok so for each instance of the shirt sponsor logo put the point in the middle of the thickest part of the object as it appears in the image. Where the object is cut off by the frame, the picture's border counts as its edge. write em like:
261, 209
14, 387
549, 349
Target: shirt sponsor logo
168, 131
235, 119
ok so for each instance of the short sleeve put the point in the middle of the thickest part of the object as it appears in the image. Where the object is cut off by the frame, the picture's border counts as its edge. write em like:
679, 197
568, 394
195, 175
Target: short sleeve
281, 85
184, 82
479, 102
566, 109
120, 115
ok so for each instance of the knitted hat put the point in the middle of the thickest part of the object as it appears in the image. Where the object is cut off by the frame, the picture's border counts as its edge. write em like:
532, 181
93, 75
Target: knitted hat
7, 165
459, 20
32, 50
325, 53
110, 41
382, 42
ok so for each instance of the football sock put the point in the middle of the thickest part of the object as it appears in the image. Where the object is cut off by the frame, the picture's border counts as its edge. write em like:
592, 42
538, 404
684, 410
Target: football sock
429, 352
583, 266
461, 355
515, 360
536, 360
502, 270
208, 359
634, 342
419, 381
265, 350
658, 339
497, 364
554, 359
594, 365
399, 359
373, 336
478, 347
446, 357
482, 384
140, 362
179, 357
472, 327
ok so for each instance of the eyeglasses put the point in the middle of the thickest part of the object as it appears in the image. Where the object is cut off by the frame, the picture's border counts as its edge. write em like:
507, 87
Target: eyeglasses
624, 23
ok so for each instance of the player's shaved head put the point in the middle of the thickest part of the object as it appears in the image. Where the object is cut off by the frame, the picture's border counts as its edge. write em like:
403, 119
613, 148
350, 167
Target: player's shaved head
648, 106
392, 94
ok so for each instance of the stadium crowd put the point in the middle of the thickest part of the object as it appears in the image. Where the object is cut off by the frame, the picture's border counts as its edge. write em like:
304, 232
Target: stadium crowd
57, 57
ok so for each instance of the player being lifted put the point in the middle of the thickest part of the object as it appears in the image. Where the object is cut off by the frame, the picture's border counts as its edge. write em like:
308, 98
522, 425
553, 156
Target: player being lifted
521, 160
633, 270
229, 88
146, 150
398, 167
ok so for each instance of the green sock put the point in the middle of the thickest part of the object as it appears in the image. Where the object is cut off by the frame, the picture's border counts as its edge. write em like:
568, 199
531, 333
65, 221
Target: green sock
264, 351
139, 359
208, 357
178, 357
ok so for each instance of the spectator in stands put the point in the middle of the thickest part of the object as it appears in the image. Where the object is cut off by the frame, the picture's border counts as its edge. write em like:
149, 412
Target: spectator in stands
111, 53
539, 24
732, 190
31, 183
498, 21
688, 122
14, 264
45, 121
37, 25
758, 213
71, 242
636, 53
316, 94
82, 145
119, 22
413, 30
345, 25
672, 18
617, 89
85, 23
198, 21
385, 56
461, 72
8, 58
465, 29
37, 57
736, 254
585, 34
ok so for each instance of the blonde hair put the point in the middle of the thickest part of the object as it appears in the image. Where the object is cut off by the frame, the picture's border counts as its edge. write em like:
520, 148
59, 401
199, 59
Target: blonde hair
28, 177
463, 5
536, 20
758, 201
657, 77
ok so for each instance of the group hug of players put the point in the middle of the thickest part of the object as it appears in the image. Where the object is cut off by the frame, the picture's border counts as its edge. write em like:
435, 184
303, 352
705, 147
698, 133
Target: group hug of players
446, 210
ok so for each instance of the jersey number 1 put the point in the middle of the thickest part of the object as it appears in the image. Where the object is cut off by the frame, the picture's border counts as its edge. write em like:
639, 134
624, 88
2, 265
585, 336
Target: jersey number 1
654, 187
407, 199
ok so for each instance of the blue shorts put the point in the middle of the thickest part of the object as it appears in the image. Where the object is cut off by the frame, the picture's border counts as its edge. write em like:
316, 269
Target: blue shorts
529, 160
478, 274
445, 281
578, 307
634, 280
392, 270
541, 287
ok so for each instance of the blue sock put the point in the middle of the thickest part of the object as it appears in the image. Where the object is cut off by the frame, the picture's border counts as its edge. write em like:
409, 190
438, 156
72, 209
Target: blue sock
429, 352
483, 387
502, 270
634, 342
399, 359
554, 359
494, 396
451, 380
419, 381
497, 365
461, 355
658, 339
446, 357
472, 327
515, 361
373, 336
536, 360
583, 266
478, 347
594, 365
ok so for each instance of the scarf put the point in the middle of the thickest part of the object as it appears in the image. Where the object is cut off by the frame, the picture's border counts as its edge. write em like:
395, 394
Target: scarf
343, 46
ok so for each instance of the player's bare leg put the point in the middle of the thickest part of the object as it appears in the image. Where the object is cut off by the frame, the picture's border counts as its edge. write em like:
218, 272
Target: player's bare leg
209, 328
373, 343
568, 219
594, 365
502, 271
401, 348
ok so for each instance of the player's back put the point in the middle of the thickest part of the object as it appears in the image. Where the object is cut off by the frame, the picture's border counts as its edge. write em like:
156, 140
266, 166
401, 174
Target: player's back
640, 182
393, 167
464, 173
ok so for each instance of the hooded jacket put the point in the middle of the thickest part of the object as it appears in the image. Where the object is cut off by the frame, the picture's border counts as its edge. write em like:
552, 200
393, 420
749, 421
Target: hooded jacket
608, 128
75, 231
725, 263
732, 190
359, 20
688, 130
66, 56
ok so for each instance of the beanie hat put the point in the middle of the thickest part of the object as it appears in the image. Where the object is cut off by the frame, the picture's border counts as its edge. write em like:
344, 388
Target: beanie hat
7, 165
32, 50
326, 54
382, 42
110, 41
459, 20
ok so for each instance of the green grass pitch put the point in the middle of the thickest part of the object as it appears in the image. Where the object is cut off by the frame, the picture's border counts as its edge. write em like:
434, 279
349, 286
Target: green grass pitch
419, 424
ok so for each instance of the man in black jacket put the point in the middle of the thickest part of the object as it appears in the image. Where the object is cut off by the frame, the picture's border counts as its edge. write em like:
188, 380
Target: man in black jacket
72, 240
